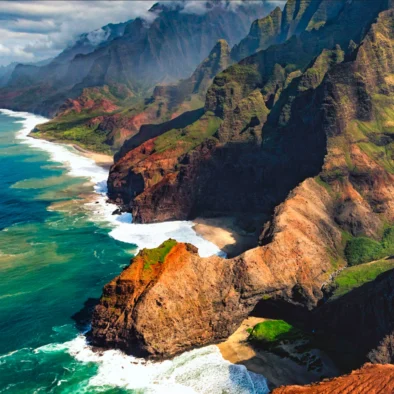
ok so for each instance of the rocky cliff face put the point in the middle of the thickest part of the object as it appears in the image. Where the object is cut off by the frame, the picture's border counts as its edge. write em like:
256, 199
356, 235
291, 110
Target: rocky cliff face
373, 379
297, 16
213, 295
328, 119
260, 105
263, 33
104, 117
357, 327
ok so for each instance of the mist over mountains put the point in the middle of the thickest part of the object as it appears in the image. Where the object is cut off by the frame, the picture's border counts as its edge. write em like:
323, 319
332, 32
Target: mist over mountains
137, 54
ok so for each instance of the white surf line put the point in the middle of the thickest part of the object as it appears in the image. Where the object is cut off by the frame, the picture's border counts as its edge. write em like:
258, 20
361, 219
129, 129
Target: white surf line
142, 235
197, 371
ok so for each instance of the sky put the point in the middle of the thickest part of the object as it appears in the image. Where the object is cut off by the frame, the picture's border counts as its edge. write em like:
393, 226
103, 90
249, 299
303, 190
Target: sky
34, 30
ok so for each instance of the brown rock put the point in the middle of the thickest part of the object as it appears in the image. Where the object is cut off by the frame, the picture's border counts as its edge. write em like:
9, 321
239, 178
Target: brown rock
194, 301
190, 301
371, 379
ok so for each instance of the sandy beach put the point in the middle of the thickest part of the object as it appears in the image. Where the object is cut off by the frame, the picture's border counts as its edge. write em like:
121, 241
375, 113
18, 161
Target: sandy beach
101, 159
227, 234
277, 370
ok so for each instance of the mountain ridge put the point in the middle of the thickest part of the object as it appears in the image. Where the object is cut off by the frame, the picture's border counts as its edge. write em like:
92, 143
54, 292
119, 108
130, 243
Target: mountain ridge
144, 55
340, 164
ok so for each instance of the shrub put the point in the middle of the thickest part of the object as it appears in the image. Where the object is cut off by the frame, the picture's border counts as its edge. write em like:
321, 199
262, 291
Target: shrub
272, 331
362, 250
388, 241
157, 255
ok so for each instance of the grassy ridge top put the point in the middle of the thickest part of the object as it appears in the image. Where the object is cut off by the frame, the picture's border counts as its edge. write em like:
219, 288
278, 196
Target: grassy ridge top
354, 277
157, 255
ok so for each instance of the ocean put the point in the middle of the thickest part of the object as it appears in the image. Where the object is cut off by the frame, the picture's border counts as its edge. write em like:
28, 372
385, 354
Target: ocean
59, 244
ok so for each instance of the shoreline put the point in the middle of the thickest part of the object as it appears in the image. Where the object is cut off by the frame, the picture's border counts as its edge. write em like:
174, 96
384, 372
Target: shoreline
229, 233
65, 347
278, 370
101, 159
122, 229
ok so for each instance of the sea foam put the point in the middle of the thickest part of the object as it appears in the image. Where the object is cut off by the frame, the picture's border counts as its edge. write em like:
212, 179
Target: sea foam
198, 371
141, 235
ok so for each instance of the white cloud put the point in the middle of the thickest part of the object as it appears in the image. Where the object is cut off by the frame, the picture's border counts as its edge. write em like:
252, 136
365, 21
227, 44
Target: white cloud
39, 29
98, 36
35, 30
4, 50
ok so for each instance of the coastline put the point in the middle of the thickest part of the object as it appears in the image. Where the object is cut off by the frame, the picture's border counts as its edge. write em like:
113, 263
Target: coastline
278, 370
80, 275
82, 165
101, 159
229, 234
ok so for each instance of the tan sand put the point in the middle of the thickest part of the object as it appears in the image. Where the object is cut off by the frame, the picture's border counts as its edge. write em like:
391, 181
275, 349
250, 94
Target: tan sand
101, 159
226, 234
277, 370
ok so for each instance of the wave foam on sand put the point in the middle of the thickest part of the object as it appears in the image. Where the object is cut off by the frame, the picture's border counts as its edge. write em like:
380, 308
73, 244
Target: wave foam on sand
198, 371
142, 235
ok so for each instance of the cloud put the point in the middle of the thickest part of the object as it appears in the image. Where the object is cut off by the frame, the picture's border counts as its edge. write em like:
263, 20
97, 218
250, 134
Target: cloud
200, 7
36, 29
4, 50
98, 36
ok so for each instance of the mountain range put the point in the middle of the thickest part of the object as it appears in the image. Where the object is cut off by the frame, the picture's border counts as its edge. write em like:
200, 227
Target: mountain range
281, 118
298, 133
137, 54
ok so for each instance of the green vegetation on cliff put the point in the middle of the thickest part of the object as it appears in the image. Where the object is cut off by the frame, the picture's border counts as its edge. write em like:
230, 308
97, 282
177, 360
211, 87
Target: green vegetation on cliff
354, 277
157, 255
188, 138
273, 331
81, 134
388, 241
361, 250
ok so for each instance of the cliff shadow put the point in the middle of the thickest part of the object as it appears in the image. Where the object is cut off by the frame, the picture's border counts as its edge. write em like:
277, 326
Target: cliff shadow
353, 325
83, 317
149, 131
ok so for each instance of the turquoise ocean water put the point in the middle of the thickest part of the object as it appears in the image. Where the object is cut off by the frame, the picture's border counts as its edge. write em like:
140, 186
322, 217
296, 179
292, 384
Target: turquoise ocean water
59, 244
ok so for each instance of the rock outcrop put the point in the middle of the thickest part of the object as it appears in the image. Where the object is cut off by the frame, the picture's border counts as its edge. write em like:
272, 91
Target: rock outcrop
213, 295
329, 121
269, 113
263, 33
371, 379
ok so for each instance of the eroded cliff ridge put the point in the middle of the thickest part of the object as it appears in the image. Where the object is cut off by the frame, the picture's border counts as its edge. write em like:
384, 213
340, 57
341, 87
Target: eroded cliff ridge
321, 119
261, 134
104, 117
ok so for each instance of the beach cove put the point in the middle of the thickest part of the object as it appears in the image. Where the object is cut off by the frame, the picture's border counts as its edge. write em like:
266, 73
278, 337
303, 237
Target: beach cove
59, 245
